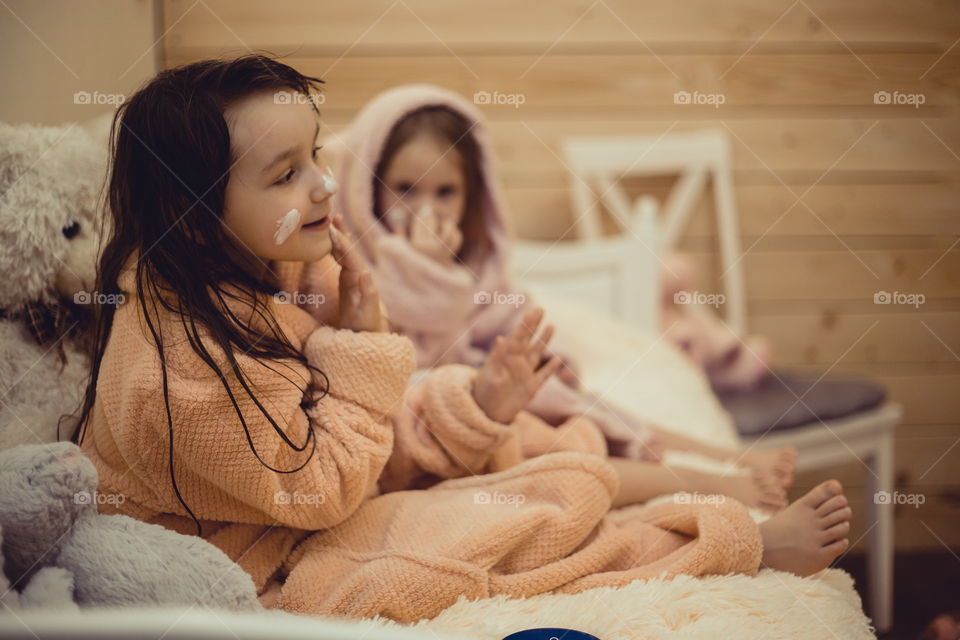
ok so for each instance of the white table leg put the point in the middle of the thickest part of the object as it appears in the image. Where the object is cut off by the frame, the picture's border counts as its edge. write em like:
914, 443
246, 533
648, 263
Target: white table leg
880, 539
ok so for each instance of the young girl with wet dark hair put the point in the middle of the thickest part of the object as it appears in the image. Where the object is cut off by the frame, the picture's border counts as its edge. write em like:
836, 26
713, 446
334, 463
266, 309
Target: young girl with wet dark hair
246, 389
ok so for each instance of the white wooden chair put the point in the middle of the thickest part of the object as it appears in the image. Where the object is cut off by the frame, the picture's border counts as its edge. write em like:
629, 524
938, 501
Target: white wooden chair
604, 273
620, 274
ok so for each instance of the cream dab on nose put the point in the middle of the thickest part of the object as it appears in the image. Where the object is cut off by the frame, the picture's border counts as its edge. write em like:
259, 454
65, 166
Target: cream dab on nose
396, 217
330, 183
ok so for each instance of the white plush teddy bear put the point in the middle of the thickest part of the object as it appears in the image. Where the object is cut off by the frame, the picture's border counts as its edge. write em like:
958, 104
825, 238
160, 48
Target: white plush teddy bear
51, 179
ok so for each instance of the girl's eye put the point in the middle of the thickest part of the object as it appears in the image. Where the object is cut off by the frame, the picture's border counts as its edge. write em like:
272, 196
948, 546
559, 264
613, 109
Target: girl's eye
71, 230
289, 174
446, 192
404, 187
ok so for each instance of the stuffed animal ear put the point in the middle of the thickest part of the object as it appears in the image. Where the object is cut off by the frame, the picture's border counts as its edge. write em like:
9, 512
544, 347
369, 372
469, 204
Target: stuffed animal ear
27, 218
50, 182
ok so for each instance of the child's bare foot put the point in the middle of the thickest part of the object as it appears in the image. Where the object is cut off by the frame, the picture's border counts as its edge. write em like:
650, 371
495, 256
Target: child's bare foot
809, 534
751, 490
777, 463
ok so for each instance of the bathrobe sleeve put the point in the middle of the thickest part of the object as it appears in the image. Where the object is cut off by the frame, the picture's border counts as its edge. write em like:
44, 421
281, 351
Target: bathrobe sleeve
441, 433
319, 458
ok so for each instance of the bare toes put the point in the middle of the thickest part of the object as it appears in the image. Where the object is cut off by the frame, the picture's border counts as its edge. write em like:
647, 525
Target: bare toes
774, 499
821, 493
834, 533
831, 505
767, 483
785, 479
836, 548
836, 517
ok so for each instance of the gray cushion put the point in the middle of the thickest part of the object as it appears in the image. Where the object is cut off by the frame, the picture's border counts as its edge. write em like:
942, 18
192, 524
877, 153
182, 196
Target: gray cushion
772, 404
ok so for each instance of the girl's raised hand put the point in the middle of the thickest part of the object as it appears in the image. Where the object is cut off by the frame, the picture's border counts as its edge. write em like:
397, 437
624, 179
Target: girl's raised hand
512, 372
434, 236
360, 308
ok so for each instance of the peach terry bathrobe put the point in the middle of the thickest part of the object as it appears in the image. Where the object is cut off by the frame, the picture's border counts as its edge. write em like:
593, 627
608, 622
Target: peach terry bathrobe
337, 538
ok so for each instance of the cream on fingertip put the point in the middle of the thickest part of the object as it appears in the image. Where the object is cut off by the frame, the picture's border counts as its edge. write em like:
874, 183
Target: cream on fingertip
335, 239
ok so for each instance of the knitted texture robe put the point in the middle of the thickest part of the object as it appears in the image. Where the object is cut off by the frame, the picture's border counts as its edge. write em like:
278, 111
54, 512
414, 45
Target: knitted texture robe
517, 509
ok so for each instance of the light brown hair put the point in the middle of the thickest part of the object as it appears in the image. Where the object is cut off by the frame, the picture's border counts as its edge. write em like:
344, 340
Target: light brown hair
450, 128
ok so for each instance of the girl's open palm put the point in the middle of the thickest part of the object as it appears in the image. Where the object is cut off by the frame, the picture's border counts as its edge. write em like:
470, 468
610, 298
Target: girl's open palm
434, 236
512, 372
360, 308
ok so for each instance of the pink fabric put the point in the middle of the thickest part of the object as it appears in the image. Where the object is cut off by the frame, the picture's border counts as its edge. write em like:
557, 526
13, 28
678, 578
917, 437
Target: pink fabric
441, 308
731, 362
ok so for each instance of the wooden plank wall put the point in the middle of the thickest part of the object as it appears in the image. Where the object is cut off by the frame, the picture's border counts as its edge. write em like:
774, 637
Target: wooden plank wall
839, 197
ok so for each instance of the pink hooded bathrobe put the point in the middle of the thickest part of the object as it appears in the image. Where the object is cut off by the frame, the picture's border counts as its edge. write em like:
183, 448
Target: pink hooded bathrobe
452, 314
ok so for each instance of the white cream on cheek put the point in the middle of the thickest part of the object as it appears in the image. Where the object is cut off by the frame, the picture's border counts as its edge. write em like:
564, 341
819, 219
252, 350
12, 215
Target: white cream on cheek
286, 225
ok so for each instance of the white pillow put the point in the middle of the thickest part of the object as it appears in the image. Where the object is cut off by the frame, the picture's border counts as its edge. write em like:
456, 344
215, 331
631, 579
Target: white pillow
639, 372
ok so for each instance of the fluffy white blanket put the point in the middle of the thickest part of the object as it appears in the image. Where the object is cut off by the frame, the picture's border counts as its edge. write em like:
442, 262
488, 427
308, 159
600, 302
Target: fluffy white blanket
772, 605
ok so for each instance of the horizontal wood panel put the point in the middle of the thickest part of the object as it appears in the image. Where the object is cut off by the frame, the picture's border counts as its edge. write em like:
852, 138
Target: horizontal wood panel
875, 278
600, 82
217, 24
896, 210
900, 338
764, 146
765, 152
842, 274
886, 209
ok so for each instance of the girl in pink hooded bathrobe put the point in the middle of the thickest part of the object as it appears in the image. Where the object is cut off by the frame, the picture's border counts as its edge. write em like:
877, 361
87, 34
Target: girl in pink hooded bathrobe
438, 248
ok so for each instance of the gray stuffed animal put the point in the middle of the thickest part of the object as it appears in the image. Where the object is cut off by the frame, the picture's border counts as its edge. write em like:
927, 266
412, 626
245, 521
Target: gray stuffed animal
51, 587
50, 184
49, 518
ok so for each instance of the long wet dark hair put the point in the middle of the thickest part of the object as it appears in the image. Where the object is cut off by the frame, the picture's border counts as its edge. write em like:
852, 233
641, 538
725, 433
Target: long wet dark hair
450, 128
170, 163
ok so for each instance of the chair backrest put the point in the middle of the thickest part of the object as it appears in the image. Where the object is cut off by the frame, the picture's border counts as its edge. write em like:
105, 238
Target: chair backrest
598, 164
603, 274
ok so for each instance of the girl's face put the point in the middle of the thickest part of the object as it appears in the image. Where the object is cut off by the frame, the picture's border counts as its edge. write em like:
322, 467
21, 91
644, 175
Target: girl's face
424, 172
278, 168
